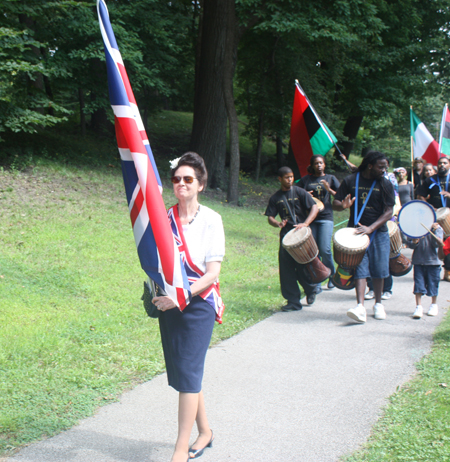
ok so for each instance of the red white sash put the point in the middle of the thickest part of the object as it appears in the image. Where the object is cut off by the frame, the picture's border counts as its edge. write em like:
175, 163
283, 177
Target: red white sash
210, 294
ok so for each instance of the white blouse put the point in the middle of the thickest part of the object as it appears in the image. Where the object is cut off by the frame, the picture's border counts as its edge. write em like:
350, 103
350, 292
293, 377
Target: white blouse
205, 237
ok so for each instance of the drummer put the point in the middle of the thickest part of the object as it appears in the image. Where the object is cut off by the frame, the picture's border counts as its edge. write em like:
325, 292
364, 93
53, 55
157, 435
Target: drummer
296, 209
435, 189
322, 186
369, 214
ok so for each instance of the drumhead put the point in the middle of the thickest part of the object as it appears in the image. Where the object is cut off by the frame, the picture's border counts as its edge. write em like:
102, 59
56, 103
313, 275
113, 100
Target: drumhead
319, 204
392, 228
441, 214
347, 238
296, 237
412, 215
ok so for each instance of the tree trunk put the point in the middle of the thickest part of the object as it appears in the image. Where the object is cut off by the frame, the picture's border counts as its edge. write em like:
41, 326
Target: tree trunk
228, 10
209, 130
281, 161
82, 114
259, 145
351, 129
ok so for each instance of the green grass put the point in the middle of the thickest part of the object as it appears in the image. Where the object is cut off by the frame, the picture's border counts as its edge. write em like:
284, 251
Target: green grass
74, 333
416, 423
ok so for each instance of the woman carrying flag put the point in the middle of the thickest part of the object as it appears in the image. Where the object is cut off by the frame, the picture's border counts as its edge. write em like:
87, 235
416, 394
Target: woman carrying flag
186, 334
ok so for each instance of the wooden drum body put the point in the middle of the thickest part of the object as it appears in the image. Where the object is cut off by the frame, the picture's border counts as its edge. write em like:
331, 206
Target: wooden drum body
395, 238
400, 265
349, 248
302, 247
443, 218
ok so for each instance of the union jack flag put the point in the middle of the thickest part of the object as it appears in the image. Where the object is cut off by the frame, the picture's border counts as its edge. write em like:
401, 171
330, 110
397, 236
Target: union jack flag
156, 246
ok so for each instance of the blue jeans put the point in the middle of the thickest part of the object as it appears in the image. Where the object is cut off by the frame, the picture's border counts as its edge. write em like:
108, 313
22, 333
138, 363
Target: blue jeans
375, 263
322, 232
426, 279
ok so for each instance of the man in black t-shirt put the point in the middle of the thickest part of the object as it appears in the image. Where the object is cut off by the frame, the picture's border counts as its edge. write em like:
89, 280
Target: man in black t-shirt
296, 209
435, 190
375, 196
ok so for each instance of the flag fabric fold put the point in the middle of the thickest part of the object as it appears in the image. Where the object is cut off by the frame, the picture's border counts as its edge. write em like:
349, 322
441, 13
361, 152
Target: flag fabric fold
309, 135
444, 137
424, 145
155, 243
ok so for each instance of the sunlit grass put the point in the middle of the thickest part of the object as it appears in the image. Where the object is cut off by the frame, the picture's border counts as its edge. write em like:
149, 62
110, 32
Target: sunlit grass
74, 333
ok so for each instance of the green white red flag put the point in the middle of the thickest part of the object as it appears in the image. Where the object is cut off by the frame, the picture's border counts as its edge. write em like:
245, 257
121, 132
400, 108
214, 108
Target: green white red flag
309, 135
424, 145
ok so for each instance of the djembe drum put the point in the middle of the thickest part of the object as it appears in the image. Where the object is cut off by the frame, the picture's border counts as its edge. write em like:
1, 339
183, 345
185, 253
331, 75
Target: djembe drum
302, 247
399, 265
348, 249
443, 218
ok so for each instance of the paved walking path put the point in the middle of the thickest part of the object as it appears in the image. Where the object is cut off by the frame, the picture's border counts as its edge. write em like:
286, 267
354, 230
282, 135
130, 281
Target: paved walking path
302, 386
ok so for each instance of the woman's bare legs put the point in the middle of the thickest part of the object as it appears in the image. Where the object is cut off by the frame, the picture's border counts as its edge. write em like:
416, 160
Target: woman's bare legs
204, 432
191, 408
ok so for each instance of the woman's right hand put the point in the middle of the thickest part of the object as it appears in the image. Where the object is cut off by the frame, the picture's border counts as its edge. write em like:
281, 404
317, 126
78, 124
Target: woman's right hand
163, 303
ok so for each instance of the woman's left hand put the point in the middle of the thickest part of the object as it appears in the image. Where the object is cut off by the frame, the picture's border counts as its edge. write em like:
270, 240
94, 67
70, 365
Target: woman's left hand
163, 303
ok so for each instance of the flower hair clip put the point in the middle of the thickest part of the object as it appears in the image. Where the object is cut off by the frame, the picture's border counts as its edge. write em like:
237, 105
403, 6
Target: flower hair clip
174, 163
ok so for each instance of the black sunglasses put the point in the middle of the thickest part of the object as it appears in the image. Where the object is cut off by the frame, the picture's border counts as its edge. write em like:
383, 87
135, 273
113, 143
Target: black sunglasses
186, 179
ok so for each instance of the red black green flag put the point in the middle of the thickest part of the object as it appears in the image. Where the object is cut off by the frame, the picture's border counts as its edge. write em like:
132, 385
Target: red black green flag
309, 135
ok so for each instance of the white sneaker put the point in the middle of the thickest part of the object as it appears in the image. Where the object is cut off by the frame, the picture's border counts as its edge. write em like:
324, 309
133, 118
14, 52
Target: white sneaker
378, 311
433, 311
358, 313
418, 313
386, 295
369, 295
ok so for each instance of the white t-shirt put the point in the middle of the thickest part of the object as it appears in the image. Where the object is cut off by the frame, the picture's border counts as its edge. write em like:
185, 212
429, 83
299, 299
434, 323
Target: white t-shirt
205, 238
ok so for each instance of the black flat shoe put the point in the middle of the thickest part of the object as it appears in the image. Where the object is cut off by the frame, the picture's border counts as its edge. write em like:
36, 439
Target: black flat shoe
199, 452
311, 298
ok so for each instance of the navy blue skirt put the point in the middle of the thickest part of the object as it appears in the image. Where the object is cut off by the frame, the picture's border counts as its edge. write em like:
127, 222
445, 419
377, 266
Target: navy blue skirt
185, 338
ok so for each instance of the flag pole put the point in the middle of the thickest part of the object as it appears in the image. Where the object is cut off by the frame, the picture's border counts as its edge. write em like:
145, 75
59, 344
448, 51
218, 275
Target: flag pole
444, 113
412, 151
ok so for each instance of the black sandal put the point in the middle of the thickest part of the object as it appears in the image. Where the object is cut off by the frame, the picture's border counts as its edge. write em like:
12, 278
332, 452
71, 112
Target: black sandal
199, 452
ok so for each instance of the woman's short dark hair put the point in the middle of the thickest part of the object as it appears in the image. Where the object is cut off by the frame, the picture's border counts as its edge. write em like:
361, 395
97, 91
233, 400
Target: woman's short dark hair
284, 171
193, 160
310, 167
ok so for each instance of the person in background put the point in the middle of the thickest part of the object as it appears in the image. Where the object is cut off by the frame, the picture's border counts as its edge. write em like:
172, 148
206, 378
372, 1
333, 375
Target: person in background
370, 198
405, 187
186, 334
417, 171
322, 186
296, 209
436, 189
427, 267
428, 170
444, 254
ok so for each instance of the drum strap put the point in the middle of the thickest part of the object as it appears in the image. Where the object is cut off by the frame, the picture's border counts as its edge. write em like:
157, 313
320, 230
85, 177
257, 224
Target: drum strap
294, 217
437, 183
357, 216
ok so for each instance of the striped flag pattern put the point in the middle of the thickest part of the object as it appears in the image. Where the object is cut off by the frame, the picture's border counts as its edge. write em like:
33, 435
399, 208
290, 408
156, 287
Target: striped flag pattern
156, 246
309, 135
444, 137
424, 145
